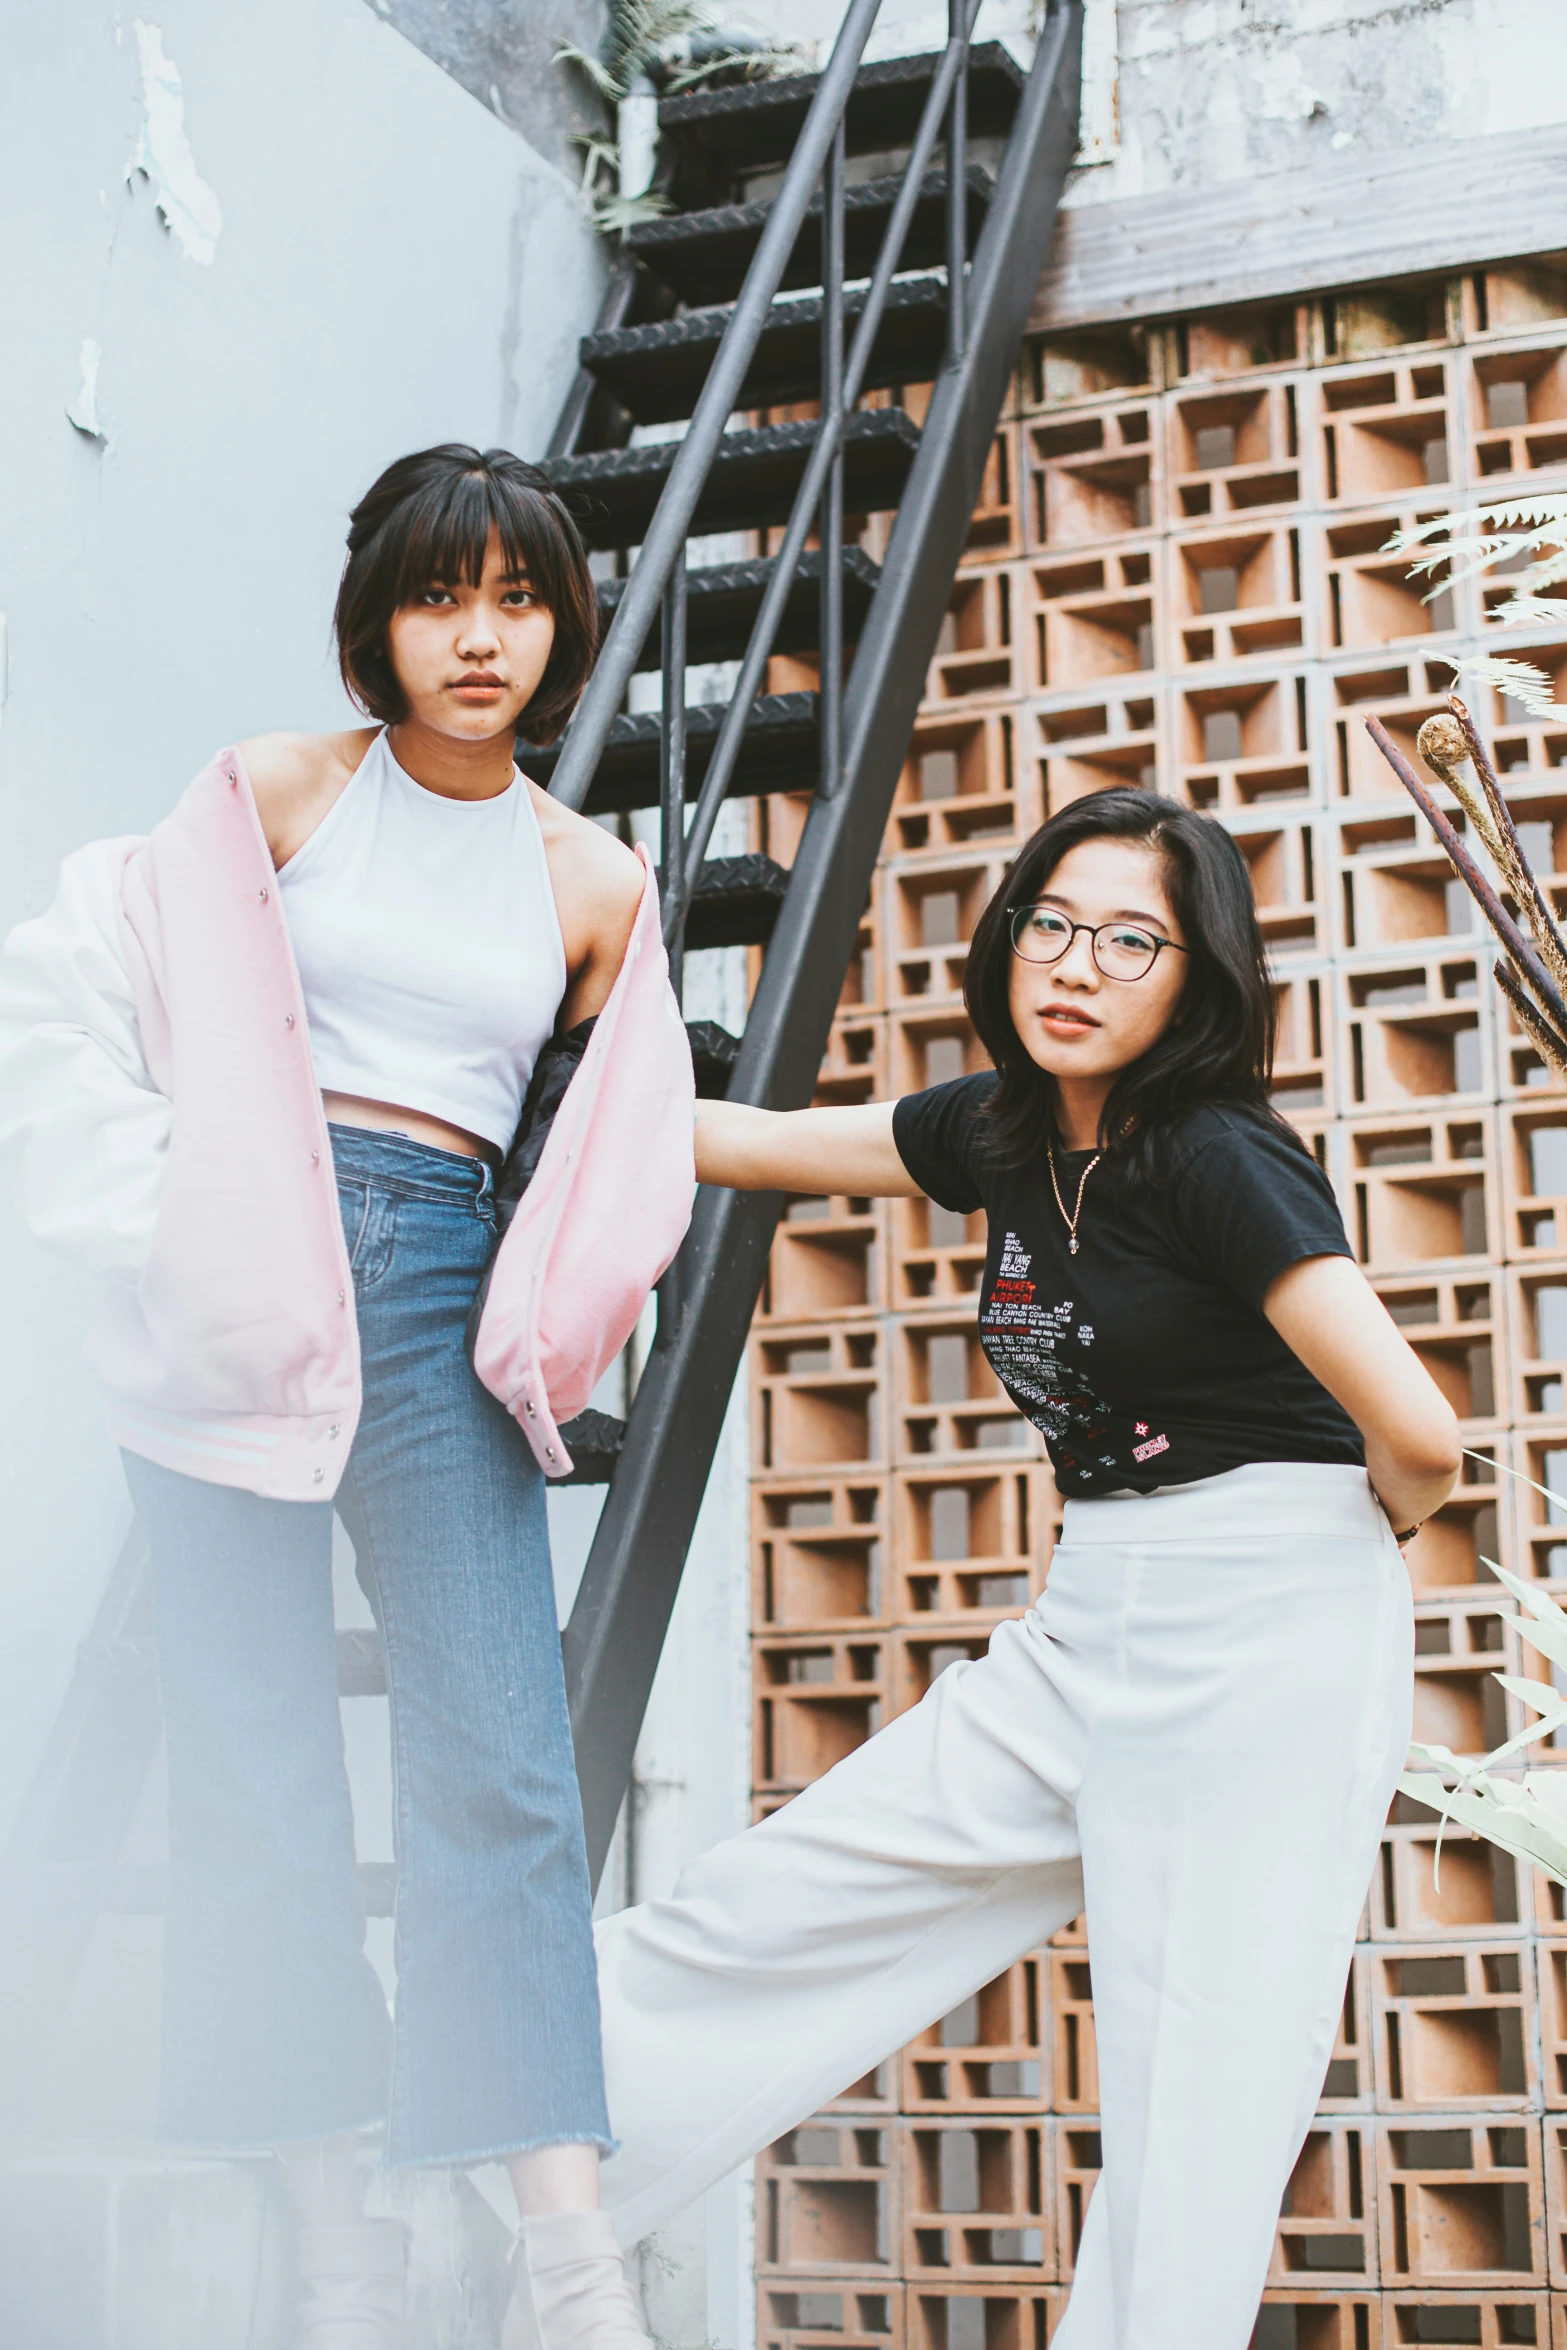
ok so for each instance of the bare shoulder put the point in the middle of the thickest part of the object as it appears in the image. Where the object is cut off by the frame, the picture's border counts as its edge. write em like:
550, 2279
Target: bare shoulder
297, 777
284, 763
592, 871
598, 885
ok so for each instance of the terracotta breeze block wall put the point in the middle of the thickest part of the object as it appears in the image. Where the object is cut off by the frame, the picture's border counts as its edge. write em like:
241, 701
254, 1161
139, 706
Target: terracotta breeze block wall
1177, 578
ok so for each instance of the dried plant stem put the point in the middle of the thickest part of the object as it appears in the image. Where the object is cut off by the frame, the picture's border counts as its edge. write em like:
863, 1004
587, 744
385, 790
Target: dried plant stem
1533, 1023
1515, 945
1513, 865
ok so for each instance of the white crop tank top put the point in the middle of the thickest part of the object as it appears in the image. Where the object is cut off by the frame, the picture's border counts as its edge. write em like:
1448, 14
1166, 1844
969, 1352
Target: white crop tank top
428, 947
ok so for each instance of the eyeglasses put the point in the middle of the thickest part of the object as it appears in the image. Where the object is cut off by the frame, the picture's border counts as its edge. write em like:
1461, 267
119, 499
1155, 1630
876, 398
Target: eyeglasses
1121, 950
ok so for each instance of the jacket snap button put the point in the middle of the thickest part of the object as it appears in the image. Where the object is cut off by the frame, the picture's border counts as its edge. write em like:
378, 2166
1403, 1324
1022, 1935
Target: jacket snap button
334, 1430
263, 895
339, 1297
317, 1476
288, 1019
549, 1452
528, 1408
315, 1158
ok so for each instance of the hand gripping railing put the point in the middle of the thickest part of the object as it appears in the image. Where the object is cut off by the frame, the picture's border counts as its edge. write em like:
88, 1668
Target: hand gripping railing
658, 578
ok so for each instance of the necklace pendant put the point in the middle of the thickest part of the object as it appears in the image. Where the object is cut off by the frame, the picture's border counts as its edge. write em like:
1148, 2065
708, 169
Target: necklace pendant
1073, 1250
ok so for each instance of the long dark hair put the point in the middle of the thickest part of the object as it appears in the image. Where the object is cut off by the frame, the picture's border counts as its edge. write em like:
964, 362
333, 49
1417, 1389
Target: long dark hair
1219, 1047
429, 517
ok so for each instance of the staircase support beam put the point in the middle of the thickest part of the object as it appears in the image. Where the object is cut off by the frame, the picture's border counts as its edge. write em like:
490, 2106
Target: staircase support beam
628, 1589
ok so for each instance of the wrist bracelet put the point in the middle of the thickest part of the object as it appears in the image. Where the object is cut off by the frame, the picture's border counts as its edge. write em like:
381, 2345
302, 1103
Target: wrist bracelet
1409, 1533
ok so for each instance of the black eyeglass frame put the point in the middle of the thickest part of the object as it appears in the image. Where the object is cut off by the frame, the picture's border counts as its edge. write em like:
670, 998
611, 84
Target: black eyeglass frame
1048, 962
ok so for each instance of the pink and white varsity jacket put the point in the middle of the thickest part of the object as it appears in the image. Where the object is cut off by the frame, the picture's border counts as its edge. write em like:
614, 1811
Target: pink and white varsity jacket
154, 1059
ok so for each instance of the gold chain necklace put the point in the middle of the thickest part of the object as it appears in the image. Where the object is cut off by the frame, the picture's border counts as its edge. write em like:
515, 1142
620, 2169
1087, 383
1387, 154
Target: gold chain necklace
1070, 1221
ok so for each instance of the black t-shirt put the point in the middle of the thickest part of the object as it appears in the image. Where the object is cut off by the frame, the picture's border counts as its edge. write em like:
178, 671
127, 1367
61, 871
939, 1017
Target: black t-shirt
1143, 1360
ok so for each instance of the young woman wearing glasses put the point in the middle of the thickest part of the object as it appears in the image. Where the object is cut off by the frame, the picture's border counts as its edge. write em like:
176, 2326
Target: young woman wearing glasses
1194, 1735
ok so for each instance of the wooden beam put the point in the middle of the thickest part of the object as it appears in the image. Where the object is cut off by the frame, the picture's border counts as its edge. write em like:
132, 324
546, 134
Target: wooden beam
1342, 223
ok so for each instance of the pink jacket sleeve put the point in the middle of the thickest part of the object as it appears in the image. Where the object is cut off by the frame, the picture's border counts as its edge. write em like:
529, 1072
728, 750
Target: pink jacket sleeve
606, 1211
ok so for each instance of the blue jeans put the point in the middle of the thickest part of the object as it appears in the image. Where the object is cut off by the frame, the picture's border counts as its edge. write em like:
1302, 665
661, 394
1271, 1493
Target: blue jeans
275, 2027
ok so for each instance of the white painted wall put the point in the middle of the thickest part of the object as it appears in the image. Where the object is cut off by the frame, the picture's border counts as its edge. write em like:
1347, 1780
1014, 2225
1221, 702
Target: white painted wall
394, 266
1219, 89
1181, 92
901, 27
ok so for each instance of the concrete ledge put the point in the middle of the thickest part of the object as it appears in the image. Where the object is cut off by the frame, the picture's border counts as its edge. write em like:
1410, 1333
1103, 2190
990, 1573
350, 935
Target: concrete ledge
1447, 206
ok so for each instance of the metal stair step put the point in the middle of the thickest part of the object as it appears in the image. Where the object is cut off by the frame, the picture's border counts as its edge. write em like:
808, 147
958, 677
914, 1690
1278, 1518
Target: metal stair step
780, 754
753, 126
752, 480
703, 256
722, 601
714, 1053
656, 372
736, 902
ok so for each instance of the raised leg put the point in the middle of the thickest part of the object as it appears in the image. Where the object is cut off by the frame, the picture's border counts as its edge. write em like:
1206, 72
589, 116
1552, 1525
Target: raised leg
793, 1958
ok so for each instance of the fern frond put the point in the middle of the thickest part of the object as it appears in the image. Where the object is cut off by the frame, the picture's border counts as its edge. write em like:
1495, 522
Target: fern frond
639, 29
604, 82
597, 155
641, 43
757, 65
1523, 611
1461, 558
1518, 679
615, 214
1527, 514
1489, 541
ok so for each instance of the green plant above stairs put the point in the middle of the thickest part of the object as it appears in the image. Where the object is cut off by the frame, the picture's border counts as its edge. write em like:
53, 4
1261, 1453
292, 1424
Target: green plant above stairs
649, 47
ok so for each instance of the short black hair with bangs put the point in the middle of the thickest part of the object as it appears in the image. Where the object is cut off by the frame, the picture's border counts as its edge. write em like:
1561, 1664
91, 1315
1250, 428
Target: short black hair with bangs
429, 517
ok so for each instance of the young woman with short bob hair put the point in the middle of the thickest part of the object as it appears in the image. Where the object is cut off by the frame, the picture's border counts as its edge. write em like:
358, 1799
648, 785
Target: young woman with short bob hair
1193, 1736
441, 919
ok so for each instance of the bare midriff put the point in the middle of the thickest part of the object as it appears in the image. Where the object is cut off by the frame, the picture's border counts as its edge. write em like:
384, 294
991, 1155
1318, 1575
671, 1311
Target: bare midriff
347, 1109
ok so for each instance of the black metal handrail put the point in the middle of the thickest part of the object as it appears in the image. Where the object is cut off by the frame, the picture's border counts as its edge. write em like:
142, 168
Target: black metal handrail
658, 578
622, 1609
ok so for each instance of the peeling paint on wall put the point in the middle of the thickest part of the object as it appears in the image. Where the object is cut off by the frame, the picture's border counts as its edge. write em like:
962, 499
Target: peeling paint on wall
1283, 92
190, 210
83, 410
1191, 93
1099, 121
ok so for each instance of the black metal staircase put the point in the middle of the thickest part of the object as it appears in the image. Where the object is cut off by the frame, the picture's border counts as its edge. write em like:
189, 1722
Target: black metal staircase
699, 326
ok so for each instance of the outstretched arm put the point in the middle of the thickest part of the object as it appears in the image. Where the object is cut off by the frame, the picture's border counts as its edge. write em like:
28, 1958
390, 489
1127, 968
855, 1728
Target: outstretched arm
826, 1151
1328, 1314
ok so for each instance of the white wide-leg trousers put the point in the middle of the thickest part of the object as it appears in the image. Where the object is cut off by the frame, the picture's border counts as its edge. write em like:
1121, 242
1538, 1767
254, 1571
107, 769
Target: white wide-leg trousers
1194, 1738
